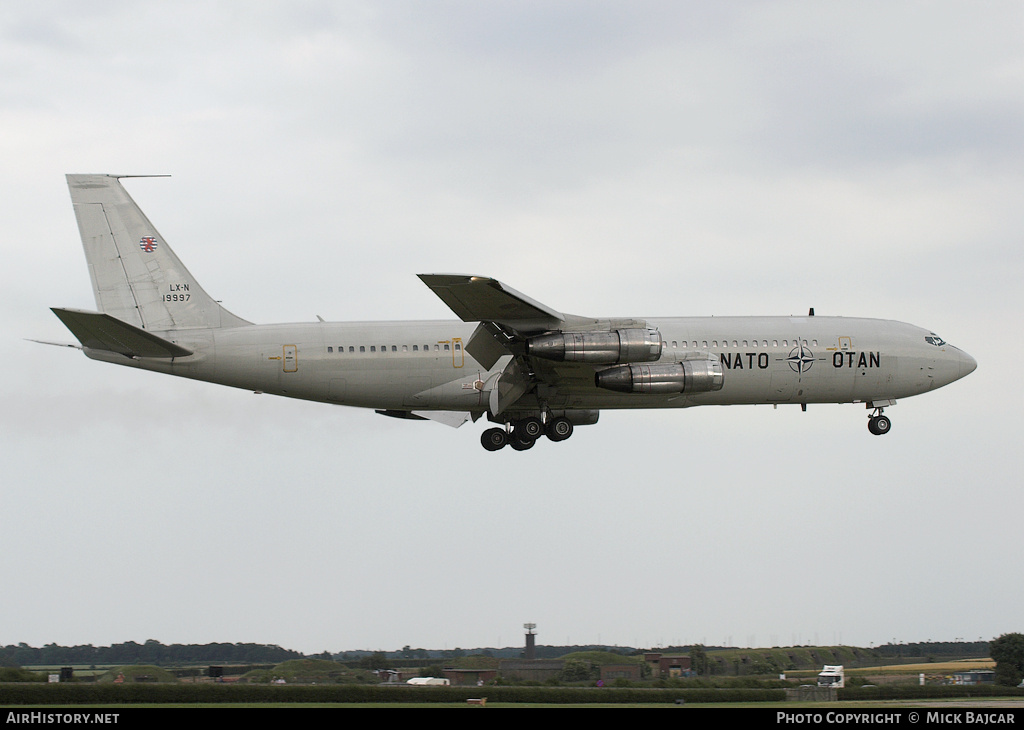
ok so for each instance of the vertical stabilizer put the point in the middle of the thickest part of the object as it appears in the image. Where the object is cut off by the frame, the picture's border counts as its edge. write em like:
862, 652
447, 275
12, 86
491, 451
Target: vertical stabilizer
135, 275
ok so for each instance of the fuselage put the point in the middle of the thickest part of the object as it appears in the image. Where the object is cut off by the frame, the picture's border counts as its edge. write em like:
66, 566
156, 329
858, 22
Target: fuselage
424, 365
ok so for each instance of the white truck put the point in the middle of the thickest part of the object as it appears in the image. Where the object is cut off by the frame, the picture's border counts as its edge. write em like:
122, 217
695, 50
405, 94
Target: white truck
430, 681
832, 675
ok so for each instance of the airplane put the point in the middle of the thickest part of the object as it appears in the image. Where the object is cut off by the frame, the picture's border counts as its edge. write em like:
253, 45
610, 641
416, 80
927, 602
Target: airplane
529, 368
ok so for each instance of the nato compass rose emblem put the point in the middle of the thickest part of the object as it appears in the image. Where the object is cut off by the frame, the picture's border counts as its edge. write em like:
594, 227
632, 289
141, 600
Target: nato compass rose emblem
147, 244
800, 359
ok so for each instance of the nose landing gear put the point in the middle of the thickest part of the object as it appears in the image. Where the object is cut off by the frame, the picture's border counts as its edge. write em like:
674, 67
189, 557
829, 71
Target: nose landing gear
878, 424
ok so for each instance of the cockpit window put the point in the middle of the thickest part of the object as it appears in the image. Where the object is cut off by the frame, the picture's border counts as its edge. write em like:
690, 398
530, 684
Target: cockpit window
934, 339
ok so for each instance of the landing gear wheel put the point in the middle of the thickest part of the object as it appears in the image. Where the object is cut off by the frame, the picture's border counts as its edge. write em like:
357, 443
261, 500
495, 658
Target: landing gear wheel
559, 429
530, 428
494, 439
519, 443
879, 425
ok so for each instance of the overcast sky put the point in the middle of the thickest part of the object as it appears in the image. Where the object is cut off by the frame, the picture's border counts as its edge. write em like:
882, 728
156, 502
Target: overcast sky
607, 159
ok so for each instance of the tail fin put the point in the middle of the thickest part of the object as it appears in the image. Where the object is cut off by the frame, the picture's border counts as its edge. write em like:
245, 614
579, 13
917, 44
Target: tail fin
135, 275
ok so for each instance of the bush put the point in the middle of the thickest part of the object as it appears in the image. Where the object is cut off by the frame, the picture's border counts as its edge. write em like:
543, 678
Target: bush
17, 674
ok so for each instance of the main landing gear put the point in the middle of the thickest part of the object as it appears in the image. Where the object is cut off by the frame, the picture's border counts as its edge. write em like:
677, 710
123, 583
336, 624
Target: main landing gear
878, 424
525, 432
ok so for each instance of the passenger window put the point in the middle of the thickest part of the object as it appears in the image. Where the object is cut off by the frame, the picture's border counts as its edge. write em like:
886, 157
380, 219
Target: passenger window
394, 348
330, 349
351, 348
362, 348
373, 348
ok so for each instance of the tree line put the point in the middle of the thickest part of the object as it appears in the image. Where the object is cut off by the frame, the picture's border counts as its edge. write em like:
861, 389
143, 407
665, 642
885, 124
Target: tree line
151, 652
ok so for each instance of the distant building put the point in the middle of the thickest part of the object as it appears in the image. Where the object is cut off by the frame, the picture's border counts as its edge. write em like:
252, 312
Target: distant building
469, 677
664, 667
978, 676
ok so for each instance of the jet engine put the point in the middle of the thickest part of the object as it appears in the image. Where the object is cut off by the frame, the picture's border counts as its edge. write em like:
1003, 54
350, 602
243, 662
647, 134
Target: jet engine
688, 376
600, 348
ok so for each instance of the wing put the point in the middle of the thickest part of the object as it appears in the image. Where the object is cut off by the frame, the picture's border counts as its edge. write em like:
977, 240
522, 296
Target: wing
507, 317
548, 347
480, 299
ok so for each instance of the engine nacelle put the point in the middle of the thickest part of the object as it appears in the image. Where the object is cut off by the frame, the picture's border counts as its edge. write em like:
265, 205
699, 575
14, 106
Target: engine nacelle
600, 348
688, 376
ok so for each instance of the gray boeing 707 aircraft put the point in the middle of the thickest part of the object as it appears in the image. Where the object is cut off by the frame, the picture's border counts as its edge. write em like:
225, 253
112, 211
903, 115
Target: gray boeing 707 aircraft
531, 369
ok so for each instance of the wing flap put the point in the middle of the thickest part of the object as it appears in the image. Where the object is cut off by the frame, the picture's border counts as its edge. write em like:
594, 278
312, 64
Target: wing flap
98, 331
487, 345
509, 387
448, 418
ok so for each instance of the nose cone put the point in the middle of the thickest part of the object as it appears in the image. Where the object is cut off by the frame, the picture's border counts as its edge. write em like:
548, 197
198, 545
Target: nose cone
967, 364
949, 365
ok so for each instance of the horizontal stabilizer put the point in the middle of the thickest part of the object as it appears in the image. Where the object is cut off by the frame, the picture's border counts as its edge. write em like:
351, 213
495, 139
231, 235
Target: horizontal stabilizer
97, 331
